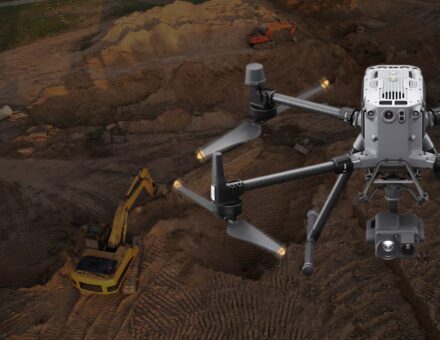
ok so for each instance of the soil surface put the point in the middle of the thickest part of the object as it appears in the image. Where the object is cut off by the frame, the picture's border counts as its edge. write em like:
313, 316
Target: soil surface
151, 88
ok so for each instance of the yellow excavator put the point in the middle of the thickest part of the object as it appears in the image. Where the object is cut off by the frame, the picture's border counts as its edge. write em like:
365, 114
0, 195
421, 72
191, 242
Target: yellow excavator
108, 263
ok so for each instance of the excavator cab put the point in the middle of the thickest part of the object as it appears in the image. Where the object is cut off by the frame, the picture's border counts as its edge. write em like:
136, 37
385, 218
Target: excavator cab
107, 261
103, 272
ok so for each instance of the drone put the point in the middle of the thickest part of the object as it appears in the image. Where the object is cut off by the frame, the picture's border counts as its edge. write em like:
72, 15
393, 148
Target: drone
391, 149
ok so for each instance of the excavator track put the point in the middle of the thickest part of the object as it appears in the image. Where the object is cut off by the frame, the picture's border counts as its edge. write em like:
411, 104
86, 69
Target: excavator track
131, 281
270, 44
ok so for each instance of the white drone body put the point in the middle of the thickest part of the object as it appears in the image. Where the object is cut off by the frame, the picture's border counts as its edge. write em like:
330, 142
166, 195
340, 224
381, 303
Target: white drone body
394, 118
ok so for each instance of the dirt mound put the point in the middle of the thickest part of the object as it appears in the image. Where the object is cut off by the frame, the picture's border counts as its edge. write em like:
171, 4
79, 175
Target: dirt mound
190, 55
115, 71
181, 28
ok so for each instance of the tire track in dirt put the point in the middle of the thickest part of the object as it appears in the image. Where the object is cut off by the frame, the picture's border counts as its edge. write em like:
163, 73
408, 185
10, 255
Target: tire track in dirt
178, 299
64, 299
417, 300
99, 328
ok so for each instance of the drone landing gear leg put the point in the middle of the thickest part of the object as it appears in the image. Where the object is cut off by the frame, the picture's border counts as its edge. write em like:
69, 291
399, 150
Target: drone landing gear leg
316, 222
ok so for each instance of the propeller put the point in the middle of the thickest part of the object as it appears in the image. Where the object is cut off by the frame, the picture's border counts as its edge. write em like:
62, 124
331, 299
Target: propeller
226, 204
249, 130
244, 231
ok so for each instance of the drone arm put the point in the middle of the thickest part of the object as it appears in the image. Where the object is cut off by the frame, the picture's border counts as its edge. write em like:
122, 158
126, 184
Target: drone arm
307, 105
266, 103
290, 175
340, 113
338, 165
316, 224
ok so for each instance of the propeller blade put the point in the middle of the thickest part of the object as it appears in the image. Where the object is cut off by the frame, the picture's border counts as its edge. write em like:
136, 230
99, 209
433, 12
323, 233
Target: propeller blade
242, 133
203, 202
324, 85
312, 92
244, 231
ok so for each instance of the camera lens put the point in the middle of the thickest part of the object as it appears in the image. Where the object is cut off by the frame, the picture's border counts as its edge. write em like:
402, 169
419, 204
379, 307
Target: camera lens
408, 249
388, 116
388, 246
388, 249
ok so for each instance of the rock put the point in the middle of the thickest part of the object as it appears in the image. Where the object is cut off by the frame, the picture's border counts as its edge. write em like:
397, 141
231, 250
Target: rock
5, 112
38, 135
18, 115
26, 151
301, 149
110, 126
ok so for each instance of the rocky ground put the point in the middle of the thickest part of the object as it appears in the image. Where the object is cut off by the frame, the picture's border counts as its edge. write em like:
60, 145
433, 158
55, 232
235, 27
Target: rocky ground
149, 90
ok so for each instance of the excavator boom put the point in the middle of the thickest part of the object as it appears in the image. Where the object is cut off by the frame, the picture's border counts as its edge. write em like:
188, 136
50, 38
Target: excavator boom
143, 181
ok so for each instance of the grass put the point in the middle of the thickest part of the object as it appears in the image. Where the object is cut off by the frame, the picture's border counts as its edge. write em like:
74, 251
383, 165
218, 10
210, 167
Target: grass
24, 24
196, 2
127, 9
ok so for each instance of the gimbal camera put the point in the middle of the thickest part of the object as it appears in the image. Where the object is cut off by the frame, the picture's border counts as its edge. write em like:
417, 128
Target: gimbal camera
392, 149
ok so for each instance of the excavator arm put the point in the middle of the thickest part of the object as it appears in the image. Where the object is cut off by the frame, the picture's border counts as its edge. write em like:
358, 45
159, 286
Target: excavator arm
280, 26
143, 181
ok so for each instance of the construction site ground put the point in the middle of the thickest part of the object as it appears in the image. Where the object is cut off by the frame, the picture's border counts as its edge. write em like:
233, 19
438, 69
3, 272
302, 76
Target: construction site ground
146, 90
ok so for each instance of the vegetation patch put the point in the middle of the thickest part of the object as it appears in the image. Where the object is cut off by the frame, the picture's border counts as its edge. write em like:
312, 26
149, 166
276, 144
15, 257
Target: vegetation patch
27, 23
24, 24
